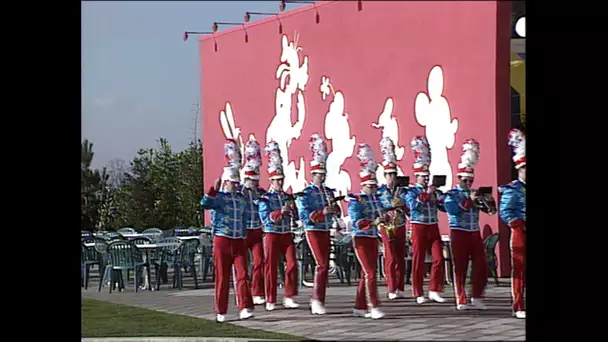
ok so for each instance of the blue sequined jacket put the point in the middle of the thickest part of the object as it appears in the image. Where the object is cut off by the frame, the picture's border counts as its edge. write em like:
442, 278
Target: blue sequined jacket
385, 195
362, 210
252, 215
270, 212
310, 206
227, 211
423, 208
462, 214
513, 201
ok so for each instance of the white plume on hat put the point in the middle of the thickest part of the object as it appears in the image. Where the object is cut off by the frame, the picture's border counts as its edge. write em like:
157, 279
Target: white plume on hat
422, 155
318, 147
469, 158
233, 158
275, 161
389, 158
517, 141
253, 159
368, 164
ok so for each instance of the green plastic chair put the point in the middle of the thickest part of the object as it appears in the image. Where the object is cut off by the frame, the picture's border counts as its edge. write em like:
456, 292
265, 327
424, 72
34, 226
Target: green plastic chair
101, 246
305, 261
123, 256
126, 230
490, 244
206, 248
153, 233
342, 258
189, 250
89, 257
169, 255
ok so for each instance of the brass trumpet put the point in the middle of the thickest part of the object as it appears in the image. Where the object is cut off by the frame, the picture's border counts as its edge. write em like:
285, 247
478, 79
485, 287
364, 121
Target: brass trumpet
388, 228
396, 219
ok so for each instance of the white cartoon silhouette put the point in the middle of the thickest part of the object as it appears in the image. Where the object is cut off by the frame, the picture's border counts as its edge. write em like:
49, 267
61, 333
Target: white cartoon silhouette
388, 123
231, 131
433, 112
293, 78
337, 129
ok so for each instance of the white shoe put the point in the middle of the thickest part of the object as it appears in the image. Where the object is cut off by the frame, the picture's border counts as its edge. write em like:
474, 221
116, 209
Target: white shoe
393, 295
258, 300
220, 318
375, 313
290, 303
316, 308
520, 314
269, 306
421, 300
361, 313
245, 314
462, 307
436, 297
477, 303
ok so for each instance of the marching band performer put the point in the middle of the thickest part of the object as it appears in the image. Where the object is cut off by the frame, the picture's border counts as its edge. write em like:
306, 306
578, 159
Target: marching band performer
463, 206
275, 212
424, 201
227, 207
253, 224
394, 243
365, 211
317, 212
513, 213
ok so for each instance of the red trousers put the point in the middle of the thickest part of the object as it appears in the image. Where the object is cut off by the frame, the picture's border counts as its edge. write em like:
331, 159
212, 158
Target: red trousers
394, 259
425, 237
366, 250
467, 245
518, 270
275, 245
254, 244
318, 241
227, 254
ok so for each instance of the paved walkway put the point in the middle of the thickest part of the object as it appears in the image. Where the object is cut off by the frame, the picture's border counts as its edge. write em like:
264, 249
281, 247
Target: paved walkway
404, 319
168, 339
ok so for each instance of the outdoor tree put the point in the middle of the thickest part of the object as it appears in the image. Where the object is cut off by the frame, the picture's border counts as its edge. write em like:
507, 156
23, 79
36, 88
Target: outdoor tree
92, 188
159, 188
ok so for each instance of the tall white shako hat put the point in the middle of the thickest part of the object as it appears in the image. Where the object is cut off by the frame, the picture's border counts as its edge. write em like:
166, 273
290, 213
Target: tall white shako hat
318, 147
422, 156
517, 141
233, 159
469, 158
275, 162
389, 159
368, 165
253, 159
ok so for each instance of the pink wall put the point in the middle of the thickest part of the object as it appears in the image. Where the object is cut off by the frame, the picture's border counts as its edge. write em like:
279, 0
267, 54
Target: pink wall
384, 51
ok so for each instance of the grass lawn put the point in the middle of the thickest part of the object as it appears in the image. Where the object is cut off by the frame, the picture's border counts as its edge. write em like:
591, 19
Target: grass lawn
104, 319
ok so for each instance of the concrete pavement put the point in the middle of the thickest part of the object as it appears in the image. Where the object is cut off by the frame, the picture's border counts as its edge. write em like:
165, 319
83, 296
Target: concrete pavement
405, 320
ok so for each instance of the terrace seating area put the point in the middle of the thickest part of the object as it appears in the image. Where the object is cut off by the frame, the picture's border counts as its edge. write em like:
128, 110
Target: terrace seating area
146, 260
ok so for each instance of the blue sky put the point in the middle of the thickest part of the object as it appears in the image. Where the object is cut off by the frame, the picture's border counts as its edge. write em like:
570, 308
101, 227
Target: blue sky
140, 80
